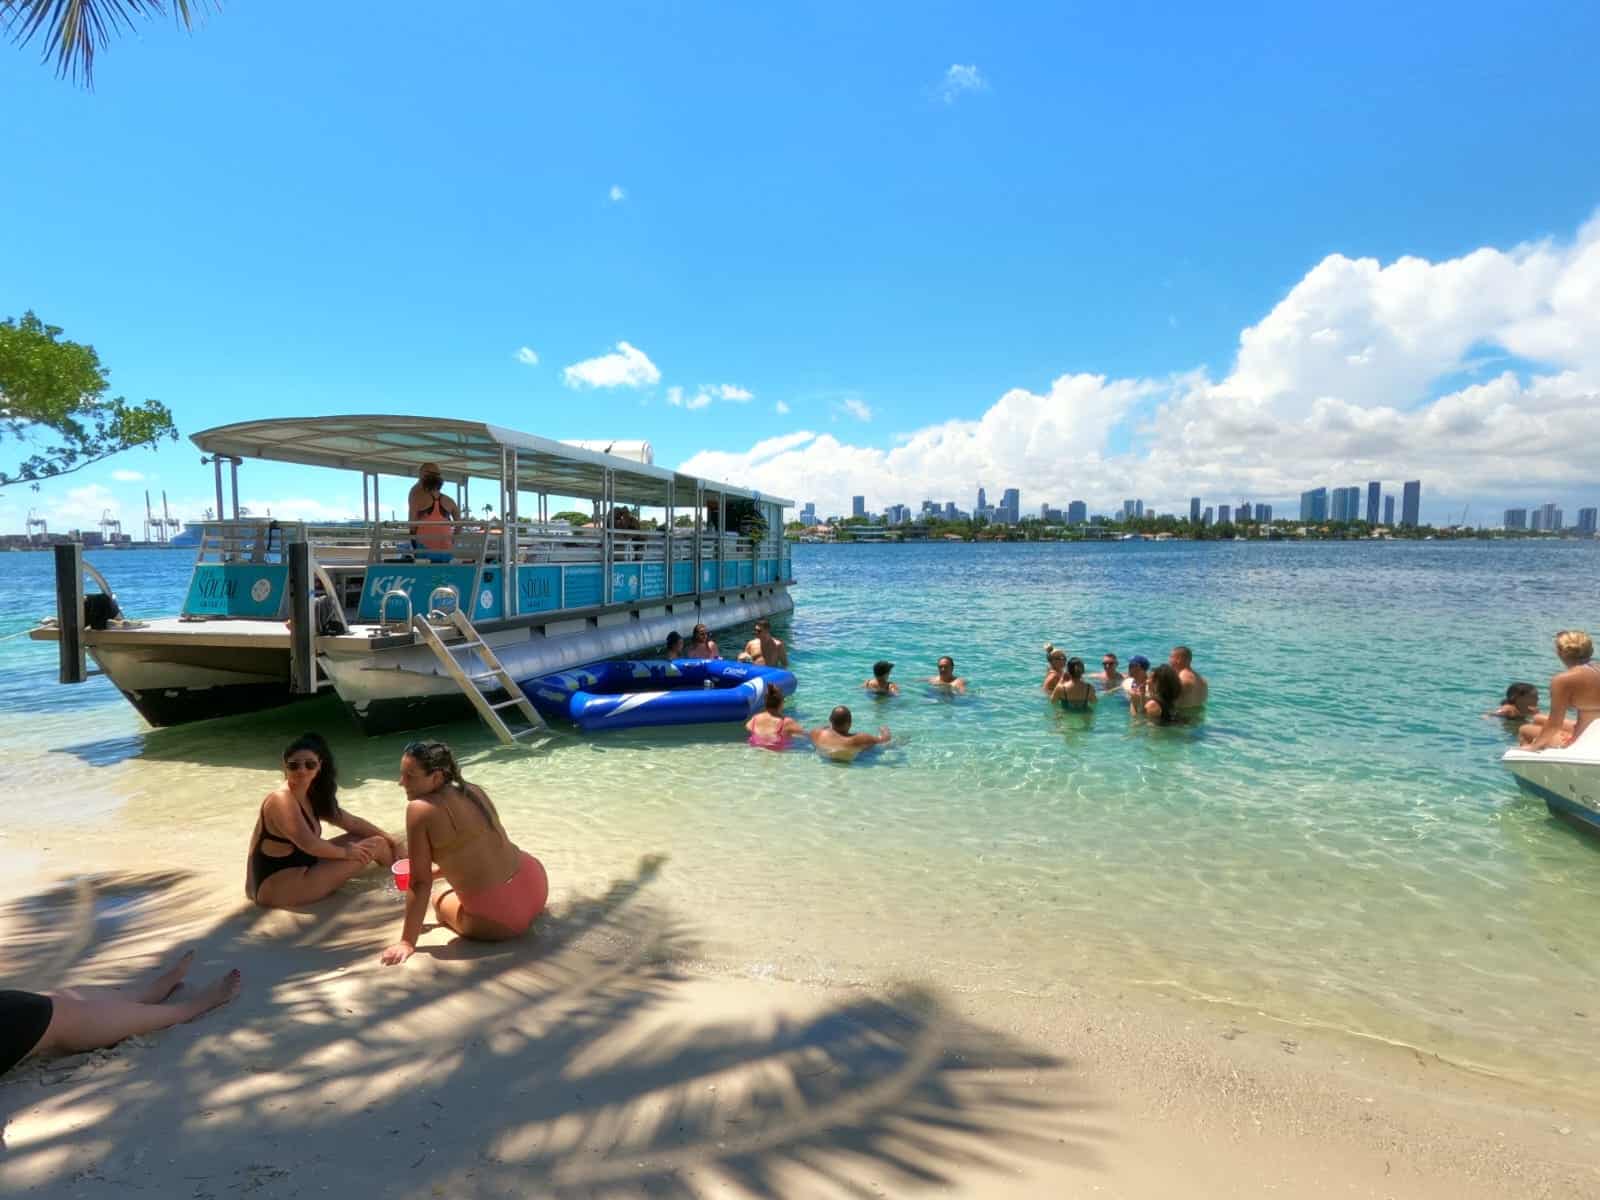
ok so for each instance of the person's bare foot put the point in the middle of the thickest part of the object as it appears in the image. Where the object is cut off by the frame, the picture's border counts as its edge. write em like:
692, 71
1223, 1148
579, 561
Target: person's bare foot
164, 984
214, 995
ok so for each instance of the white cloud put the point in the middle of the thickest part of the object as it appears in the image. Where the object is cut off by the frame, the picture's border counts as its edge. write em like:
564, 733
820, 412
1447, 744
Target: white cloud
738, 395
1362, 371
527, 357
617, 194
627, 366
857, 408
124, 476
960, 79
706, 394
780, 408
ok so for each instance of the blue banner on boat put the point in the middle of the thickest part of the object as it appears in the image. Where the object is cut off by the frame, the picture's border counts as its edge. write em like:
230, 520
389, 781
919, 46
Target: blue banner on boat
538, 589
257, 590
583, 586
417, 580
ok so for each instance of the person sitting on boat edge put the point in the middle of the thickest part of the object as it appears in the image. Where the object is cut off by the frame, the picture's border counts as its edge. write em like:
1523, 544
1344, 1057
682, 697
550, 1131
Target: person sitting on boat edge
700, 644
764, 650
880, 684
1195, 688
496, 889
432, 512
1576, 687
290, 862
1057, 658
72, 1020
1109, 679
770, 729
834, 740
1074, 692
947, 678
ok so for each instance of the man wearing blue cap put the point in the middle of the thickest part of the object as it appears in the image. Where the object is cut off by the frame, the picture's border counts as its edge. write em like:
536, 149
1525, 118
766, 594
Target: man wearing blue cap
1134, 684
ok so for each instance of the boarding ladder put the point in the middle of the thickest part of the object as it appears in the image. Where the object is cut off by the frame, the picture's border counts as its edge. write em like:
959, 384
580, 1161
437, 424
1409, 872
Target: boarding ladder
457, 659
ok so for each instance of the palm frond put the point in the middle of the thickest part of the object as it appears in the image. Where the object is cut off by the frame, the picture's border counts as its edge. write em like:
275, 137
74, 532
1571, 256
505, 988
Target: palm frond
74, 30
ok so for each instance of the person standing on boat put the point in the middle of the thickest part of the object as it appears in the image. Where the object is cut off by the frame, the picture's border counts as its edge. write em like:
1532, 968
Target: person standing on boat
700, 644
1195, 687
834, 740
764, 650
432, 511
1576, 687
496, 889
947, 677
290, 862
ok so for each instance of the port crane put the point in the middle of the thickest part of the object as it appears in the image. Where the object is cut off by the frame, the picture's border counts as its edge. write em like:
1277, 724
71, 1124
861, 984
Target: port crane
36, 522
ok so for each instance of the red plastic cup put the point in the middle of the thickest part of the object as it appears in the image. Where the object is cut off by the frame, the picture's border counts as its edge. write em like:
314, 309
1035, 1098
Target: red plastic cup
402, 874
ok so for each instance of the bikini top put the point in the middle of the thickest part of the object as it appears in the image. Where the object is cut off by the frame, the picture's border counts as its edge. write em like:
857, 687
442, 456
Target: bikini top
462, 839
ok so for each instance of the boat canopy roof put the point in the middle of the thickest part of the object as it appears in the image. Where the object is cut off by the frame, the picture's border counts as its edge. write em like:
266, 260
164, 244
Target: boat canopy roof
393, 445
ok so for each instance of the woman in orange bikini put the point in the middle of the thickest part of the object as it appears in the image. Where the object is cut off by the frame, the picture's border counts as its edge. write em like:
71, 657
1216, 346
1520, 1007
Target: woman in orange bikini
496, 890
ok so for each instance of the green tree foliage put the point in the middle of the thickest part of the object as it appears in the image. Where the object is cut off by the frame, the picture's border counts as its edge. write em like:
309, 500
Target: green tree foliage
74, 30
571, 517
52, 400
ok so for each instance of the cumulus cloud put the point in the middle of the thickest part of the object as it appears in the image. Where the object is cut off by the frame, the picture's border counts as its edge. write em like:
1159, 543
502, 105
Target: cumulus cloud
781, 408
1362, 371
855, 407
617, 194
626, 366
960, 79
706, 394
124, 476
527, 357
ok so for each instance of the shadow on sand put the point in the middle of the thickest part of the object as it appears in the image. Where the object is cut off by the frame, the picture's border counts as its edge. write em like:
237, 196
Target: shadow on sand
580, 1061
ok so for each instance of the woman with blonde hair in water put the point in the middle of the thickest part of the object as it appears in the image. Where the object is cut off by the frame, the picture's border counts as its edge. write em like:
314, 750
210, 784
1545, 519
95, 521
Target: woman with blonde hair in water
496, 889
1577, 687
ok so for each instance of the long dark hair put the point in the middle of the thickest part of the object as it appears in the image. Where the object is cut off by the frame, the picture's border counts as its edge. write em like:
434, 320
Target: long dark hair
1165, 688
323, 791
436, 756
1074, 668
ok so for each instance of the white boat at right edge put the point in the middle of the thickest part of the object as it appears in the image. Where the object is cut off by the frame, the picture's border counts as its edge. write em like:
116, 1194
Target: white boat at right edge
1567, 779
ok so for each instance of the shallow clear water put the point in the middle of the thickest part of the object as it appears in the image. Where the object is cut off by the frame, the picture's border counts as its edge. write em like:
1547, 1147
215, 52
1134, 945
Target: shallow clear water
1335, 844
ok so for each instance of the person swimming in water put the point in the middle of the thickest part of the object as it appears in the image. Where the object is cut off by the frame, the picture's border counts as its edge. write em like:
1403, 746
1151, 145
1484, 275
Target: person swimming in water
880, 684
1521, 704
1057, 658
1163, 697
1109, 679
1073, 692
764, 650
1137, 680
674, 644
700, 644
770, 729
947, 678
834, 740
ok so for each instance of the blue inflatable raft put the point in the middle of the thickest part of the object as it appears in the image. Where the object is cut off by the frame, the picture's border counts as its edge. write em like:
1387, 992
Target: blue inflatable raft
684, 691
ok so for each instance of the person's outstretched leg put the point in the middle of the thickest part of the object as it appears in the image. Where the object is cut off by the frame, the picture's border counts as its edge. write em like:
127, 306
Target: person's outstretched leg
154, 992
88, 1019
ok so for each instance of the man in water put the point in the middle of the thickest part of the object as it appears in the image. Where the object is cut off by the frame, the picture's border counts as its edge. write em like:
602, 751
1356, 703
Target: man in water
1195, 688
880, 683
834, 740
1137, 680
1109, 679
946, 678
764, 650
674, 644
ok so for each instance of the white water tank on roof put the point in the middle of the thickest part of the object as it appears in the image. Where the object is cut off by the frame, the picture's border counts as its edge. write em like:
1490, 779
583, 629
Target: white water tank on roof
638, 452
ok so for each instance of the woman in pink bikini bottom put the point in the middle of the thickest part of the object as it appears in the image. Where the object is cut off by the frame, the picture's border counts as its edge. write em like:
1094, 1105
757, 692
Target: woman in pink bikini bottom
496, 889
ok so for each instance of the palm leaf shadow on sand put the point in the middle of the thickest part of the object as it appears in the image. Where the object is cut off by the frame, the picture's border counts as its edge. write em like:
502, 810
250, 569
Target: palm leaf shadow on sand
572, 1063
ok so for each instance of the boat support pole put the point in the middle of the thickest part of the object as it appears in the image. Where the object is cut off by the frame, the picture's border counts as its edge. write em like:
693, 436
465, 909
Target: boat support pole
69, 611
302, 631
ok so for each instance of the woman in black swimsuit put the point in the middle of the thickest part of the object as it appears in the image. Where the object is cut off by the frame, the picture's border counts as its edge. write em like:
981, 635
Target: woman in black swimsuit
290, 862
72, 1020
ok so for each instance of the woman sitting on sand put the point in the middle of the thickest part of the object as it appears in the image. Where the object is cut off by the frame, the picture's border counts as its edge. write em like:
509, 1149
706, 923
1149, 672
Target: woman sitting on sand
72, 1020
770, 729
496, 890
1160, 702
1576, 687
1073, 692
290, 863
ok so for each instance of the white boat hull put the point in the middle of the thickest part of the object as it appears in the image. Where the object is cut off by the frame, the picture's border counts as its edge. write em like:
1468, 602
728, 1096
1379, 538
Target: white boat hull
1567, 780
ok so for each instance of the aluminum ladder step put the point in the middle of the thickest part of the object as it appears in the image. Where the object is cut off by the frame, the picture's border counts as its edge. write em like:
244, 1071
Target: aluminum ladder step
447, 654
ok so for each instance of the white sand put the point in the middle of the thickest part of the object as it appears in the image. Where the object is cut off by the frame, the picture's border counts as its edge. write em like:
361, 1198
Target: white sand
585, 1061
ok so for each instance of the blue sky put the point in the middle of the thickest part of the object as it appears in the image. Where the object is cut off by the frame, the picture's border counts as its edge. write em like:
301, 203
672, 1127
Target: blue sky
905, 212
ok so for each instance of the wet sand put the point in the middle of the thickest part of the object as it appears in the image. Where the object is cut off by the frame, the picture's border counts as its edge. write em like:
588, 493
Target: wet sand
593, 1059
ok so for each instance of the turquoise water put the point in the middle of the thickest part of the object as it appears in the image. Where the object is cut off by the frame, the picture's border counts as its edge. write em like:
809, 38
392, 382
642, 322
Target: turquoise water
1335, 844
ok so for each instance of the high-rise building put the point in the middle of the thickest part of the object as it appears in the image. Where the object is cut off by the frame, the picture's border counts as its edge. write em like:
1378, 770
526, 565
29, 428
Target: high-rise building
1205, 517
1264, 514
1553, 518
1536, 520
1138, 509
858, 506
1388, 510
983, 500
1411, 505
1314, 505
1516, 518
950, 513
1010, 506
1586, 523
1194, 510
1127, 509
1345, 504
1224, 514
930, 508
808, 514
1241, 511
1077, 513
1374, 494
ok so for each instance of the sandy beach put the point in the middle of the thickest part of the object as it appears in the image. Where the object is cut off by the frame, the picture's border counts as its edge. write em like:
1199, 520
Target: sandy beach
595, 1059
